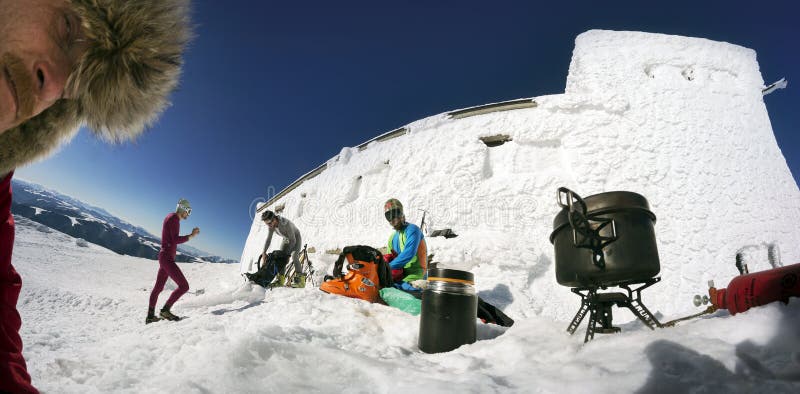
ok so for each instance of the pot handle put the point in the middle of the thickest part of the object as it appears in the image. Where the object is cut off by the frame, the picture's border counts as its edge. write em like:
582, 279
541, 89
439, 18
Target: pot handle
572, 198
588, 226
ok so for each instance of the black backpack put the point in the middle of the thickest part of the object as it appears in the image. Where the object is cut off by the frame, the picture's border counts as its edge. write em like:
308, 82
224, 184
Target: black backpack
276, 262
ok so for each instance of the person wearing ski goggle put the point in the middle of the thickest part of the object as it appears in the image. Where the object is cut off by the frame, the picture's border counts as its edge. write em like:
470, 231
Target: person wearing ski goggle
395, 217
407, 247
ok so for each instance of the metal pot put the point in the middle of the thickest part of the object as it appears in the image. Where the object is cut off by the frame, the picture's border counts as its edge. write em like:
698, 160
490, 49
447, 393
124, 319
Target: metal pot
606, 239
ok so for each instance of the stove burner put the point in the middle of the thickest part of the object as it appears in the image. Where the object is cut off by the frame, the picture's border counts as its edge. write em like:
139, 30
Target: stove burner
599, 307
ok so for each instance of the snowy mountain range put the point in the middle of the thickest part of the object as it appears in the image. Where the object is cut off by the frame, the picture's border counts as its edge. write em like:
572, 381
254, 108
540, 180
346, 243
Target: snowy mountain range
93, 224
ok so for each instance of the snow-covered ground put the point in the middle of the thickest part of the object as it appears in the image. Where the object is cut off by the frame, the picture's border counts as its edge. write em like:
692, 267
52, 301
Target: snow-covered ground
83, 312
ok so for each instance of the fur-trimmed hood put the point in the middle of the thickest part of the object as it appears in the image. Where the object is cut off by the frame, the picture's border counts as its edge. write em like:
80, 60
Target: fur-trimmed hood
121, 84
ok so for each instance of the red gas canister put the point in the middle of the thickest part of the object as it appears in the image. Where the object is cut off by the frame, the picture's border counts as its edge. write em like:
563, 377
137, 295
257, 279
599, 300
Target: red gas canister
759, 288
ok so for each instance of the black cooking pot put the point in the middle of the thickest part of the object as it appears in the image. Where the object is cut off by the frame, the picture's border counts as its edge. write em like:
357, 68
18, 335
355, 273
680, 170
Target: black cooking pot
606, 239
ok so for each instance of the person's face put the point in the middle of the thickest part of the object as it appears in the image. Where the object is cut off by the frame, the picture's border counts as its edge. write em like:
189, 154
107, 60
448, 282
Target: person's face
395, 218
183, 214
271, 223
40, 43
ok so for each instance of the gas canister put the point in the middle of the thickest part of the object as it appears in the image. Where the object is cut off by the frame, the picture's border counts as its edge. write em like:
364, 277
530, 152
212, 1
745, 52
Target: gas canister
759, 288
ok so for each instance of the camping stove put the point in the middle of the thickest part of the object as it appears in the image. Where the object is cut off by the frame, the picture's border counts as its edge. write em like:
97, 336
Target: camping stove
598, 305
606, 240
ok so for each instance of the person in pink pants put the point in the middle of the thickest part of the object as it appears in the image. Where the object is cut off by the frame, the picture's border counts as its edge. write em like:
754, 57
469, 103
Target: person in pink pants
167, 268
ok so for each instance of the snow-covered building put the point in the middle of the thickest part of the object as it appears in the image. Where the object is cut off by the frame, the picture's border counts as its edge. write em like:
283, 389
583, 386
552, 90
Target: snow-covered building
679, 120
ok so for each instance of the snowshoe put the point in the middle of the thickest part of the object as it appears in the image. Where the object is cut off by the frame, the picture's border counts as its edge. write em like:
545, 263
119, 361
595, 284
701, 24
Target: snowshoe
166, 314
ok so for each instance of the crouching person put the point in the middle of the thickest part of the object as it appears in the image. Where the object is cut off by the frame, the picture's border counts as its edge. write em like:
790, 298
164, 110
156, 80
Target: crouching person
291, 246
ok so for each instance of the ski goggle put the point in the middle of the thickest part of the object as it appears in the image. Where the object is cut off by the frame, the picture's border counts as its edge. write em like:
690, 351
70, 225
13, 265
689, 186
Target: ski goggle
187, 210
393, 213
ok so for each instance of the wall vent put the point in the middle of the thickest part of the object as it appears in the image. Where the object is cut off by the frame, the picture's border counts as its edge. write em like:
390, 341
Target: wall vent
496, 107
495, 140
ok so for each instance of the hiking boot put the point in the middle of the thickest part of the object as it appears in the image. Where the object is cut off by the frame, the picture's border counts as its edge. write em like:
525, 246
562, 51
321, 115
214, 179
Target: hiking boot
280, 281
151, 316
299, 281
166, 314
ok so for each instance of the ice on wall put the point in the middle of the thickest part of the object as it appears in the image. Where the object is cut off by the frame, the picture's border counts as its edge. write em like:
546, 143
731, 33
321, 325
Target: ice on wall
679, 120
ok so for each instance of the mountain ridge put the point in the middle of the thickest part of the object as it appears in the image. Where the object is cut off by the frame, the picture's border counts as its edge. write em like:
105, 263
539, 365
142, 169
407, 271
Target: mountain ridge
93, 224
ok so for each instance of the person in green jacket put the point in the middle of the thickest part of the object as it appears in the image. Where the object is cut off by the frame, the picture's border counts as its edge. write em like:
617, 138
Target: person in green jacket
407, 247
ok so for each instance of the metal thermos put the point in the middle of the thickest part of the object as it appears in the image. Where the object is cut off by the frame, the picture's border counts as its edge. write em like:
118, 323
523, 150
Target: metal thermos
449, 311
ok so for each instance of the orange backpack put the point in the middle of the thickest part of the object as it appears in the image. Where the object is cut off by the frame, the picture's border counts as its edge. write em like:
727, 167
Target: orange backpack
366, 274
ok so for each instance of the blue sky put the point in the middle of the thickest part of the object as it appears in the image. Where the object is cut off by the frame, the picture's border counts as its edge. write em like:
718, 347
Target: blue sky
273, 89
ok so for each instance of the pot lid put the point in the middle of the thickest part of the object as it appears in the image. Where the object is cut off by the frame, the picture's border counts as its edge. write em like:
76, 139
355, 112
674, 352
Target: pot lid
607, 202
450, 274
